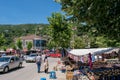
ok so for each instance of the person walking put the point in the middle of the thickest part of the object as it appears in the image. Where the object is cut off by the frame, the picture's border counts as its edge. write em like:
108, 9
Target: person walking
38, 62
46, 66
45, 58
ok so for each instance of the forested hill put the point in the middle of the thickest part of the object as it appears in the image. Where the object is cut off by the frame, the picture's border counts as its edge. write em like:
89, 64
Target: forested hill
12, 31
20, 30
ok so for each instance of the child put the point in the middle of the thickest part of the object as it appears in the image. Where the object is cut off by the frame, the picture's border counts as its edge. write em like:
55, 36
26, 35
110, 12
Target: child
46, 66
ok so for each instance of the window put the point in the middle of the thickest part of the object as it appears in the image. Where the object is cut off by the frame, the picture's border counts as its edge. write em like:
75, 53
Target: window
17, 59
12, 60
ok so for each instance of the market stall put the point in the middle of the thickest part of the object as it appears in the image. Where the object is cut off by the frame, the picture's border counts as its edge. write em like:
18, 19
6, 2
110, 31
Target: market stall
94, 59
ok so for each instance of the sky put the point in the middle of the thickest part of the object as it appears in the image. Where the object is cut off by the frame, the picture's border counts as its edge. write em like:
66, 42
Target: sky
27, 11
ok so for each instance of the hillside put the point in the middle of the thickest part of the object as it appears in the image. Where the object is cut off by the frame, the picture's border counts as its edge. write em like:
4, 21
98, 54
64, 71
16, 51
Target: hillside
12, 31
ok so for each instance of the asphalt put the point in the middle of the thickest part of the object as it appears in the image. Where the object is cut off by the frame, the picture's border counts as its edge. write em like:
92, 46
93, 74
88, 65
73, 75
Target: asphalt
52, 63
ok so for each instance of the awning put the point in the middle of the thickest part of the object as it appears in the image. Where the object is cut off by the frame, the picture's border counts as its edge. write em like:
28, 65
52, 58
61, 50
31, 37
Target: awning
2, 51
80, 52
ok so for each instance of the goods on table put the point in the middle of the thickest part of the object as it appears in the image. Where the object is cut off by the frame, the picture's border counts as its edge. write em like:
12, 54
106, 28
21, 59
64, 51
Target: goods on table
69, 75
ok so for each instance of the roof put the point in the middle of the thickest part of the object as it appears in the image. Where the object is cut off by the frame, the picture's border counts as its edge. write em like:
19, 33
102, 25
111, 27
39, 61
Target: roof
31, 37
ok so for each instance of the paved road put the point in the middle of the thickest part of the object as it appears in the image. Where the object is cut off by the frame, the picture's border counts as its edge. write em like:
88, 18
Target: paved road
28, 72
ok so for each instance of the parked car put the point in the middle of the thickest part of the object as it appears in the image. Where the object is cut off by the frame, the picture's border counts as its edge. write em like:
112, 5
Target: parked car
25, 57
9, 62
31, 57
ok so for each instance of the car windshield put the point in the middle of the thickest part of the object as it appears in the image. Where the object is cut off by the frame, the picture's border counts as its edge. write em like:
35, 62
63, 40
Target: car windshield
4, 59
33, 55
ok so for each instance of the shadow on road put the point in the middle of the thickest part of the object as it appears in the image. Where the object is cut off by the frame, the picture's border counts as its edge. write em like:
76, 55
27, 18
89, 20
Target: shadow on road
12, 70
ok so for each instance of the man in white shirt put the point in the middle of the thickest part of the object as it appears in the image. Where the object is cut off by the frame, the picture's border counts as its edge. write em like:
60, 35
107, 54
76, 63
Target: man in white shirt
38, 62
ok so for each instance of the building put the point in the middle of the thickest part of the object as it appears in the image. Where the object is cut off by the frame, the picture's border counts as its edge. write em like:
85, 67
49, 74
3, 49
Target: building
37, 41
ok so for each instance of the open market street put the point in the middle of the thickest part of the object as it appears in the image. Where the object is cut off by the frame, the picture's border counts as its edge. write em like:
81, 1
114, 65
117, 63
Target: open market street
29, 72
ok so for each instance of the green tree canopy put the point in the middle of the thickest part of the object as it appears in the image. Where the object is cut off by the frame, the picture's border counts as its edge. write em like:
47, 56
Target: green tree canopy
103, 15
2, 39
19, 44
11, 32
29, 45
14, 47
59, 30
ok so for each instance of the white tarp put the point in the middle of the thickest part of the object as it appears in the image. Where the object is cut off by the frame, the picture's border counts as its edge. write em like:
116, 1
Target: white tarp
80, 52
2, 51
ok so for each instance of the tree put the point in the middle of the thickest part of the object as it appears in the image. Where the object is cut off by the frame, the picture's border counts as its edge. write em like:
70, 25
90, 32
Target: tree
29, 45
19, 44
11, 32
14, 47
4, 48
103, 15
59, 30
50, 44
79, 43
2, 39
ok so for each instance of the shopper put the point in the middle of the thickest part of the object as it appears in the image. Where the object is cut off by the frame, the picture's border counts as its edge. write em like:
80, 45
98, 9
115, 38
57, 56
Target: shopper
38, 62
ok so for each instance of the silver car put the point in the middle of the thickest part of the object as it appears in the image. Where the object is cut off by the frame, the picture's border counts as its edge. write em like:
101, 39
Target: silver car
9, 62
31, 57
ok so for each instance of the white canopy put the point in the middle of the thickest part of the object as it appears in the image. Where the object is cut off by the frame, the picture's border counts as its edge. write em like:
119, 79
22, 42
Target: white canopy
2, 51
80, 52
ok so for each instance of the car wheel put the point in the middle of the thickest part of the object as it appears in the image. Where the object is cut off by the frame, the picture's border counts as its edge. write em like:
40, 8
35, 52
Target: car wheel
20, 65
6, 69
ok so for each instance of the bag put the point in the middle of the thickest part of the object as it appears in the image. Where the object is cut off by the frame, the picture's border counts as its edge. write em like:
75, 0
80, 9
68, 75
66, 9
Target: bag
52, 75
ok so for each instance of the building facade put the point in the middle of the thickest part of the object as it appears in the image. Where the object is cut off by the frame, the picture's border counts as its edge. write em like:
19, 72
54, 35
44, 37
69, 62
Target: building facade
37, 42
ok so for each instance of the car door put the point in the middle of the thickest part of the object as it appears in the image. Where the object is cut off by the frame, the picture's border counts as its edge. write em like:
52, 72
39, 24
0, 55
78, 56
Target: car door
11, 64
17, 61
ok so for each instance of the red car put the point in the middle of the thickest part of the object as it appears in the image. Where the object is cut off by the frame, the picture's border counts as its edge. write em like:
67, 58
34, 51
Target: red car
55, 55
